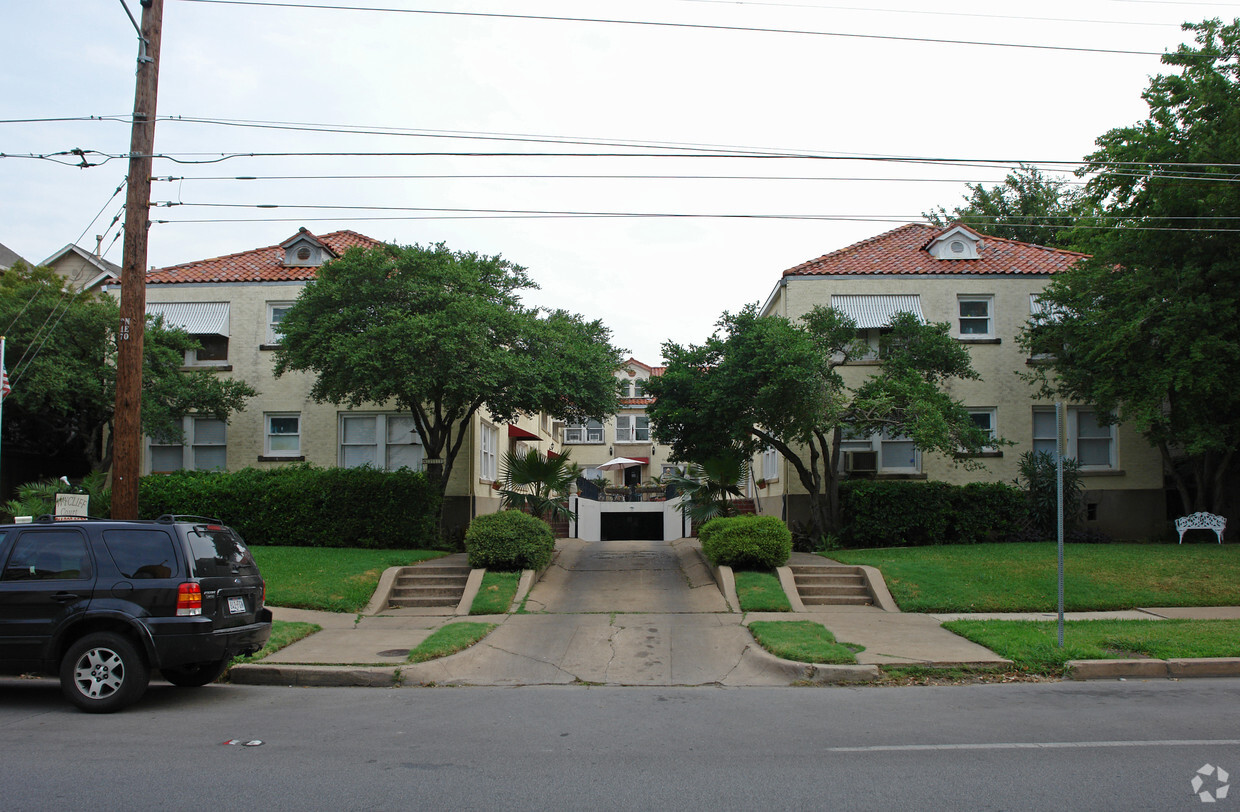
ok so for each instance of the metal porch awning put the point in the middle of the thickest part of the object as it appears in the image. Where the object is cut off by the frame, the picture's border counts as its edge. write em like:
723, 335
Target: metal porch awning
195, 318
872, 311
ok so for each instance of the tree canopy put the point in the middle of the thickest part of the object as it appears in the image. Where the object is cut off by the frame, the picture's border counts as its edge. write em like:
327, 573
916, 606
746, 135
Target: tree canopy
61, 360
1148, 330
442, 334
1029, 206
771, 382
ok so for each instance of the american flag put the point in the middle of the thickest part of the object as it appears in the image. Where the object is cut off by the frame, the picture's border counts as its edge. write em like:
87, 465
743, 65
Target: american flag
4, 383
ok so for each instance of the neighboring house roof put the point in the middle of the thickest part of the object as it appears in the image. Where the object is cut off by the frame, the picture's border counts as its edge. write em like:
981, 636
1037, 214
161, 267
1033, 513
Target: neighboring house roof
902, 251
106, 271
8, 257
258, 264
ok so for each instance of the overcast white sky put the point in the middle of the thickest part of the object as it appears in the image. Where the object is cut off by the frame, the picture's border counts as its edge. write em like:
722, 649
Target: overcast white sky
650, 279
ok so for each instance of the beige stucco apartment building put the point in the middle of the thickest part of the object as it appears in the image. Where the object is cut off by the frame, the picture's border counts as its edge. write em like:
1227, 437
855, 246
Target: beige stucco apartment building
233, 305
985, 288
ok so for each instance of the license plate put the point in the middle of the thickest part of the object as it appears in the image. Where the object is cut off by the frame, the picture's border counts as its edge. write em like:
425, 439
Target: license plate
236, 605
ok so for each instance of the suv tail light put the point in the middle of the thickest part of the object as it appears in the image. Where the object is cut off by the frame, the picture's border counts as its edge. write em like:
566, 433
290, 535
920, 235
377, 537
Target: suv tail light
189, 600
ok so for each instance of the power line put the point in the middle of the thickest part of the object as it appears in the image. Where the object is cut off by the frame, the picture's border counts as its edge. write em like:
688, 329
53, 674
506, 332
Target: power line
696, 26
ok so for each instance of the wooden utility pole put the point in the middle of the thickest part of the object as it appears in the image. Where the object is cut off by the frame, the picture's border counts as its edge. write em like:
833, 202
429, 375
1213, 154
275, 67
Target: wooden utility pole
127, 425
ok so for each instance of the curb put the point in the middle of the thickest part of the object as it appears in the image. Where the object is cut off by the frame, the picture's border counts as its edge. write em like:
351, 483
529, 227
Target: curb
1179, 668
313, 676
813, 673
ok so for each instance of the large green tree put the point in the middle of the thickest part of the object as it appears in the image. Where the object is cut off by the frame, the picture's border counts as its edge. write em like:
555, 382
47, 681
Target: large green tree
61, 360
1149, 330
769, 381
1029, 206
442, 334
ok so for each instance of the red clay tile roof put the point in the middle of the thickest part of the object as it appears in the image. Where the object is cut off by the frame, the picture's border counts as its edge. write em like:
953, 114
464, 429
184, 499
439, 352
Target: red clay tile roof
902, 251
642, 401
257, 265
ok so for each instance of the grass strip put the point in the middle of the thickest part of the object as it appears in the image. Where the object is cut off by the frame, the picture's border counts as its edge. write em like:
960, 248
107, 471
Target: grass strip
1023, 577
760, 592
802, 640
449, 639
335, 579
283, 633
496, 593
1034, 644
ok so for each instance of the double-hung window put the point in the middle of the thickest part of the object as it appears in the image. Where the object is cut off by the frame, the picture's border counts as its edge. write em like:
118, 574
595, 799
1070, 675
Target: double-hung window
1089, 442
275, 314
976, 316
770, 464
895, 454
985, 419
203, 448
632, 428
591, 431
282, 434
488, 462
388, 442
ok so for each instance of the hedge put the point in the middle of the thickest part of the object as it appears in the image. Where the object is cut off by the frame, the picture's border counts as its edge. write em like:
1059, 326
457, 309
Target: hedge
509, 540
880, 513
303, 506
746, 542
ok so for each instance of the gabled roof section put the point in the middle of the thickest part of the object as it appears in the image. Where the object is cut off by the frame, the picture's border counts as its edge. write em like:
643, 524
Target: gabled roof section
9, 257
903, 252
259, 264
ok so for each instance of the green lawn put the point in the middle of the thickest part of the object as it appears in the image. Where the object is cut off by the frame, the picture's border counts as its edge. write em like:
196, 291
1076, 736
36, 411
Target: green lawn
1023, 577
283, 633
333, 579
760, 592
803, 641
1034, 645
496, 593
449, 639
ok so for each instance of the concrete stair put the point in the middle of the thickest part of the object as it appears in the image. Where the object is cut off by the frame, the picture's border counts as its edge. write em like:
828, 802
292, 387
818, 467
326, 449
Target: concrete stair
429, 585
827, 585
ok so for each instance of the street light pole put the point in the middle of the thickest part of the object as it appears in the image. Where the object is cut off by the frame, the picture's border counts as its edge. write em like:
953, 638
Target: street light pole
127, 426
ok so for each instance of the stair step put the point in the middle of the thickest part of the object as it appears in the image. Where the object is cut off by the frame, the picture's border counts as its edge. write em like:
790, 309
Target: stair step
437, 571
431, 580
395, 601
427, 591
824, 580
828, 591
835, 600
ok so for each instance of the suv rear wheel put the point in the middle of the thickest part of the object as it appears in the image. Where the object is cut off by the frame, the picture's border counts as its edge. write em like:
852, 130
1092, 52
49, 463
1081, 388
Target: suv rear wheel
194, 675
103, 672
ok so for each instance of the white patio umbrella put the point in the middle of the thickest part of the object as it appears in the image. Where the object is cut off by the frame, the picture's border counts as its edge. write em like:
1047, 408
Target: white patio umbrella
618, 463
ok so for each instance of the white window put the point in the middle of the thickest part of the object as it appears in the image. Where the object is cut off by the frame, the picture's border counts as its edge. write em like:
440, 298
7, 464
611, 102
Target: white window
590, 431
976, 316
388, 442
985, 420
895, 454
1091, 444
632, 428
770, 464
283, 434
639, 388
488, 463
212, 350
275, 314
205, 448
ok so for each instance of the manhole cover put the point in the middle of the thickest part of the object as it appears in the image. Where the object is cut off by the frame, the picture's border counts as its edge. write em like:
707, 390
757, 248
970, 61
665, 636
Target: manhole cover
394, 652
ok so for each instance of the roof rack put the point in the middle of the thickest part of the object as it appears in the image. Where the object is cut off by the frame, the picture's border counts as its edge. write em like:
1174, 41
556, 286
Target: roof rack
169, 518
48, 518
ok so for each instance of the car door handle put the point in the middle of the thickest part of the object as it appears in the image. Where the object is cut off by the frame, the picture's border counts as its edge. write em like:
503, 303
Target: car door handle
64, 597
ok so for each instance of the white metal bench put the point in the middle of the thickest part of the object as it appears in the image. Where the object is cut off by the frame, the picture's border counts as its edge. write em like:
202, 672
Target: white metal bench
1201, 521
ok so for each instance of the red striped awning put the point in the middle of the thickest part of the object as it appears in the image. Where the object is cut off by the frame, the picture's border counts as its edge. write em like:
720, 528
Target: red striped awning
642, 460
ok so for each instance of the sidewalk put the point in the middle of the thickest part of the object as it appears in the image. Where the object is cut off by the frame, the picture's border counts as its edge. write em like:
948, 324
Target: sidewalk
631, 613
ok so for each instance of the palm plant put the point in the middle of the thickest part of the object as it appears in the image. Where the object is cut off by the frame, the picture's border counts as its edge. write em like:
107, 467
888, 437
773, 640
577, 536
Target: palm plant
39, 498
538, 484
709, 487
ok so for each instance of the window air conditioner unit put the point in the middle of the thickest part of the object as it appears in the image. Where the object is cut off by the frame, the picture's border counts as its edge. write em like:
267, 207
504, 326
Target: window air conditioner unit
861, 462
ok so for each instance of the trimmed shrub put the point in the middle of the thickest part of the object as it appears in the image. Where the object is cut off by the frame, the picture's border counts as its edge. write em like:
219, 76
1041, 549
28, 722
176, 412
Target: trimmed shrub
879, 513
303, 506
746, 542
509, 540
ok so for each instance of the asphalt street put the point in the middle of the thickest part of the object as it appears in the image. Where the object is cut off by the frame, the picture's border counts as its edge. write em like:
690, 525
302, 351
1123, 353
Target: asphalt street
1113, 745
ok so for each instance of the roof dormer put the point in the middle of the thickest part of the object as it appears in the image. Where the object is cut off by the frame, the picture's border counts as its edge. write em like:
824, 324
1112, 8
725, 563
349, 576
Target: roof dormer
956, 242
304, 250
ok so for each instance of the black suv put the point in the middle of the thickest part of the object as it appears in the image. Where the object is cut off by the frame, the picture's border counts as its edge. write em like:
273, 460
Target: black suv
102, 603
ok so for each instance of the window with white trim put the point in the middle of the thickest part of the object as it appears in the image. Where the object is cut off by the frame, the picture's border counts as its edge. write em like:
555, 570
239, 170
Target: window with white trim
1091, 444
275, 314
770, 464
896, 454
591, 431
204, 448
632, 428
488, 461
388, 442
976, 316
282, 432
985, 419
